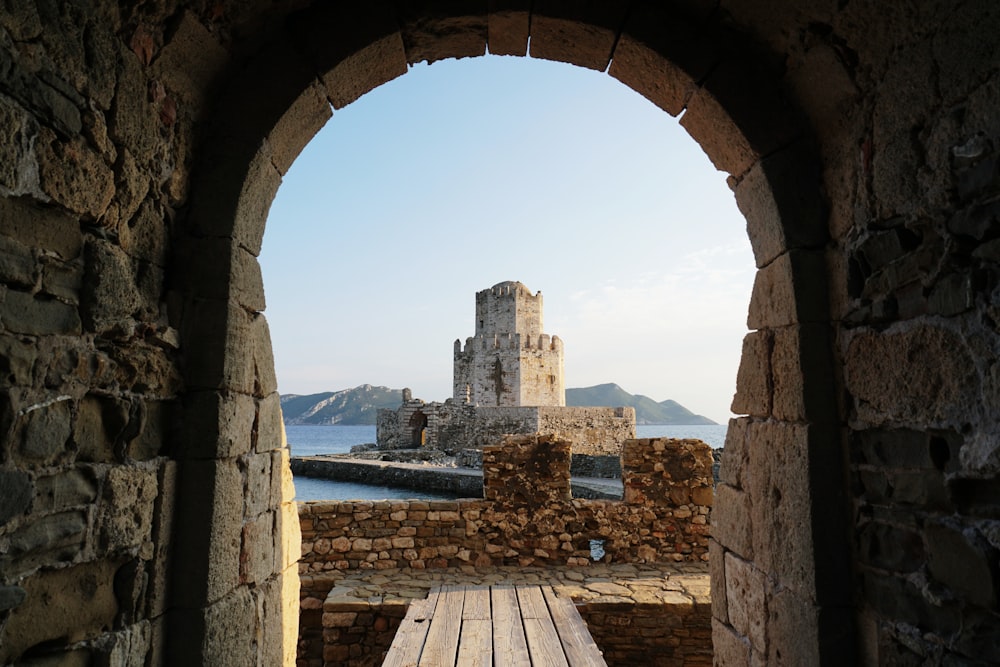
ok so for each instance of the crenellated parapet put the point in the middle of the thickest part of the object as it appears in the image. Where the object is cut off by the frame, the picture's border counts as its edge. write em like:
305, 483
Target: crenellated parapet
509, 361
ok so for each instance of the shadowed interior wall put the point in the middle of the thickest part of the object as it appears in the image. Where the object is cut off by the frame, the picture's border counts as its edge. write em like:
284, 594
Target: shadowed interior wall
143, 471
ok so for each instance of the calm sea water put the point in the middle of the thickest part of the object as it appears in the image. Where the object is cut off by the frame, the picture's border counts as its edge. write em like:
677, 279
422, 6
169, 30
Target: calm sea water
312, 440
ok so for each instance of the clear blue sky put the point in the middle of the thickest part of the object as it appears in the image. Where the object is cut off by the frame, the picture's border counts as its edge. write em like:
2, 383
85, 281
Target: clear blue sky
463, 174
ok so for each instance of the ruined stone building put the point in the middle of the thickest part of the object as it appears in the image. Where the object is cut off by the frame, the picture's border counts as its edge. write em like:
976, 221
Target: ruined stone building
508, 379
146, 510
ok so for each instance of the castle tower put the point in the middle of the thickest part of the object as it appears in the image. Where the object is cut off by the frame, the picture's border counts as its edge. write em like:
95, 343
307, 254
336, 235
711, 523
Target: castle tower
509, 362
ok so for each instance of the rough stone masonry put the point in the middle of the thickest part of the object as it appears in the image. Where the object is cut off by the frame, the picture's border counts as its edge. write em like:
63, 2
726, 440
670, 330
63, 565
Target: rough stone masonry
145, 512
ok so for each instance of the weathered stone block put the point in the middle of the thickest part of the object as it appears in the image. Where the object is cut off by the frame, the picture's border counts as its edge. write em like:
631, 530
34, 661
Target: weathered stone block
888, 386
257, 469
191, 61
11, 597
74, 603
217, 424
651, 75
890, 547
17, 360
74, 175
163, 525
731, 520
62, 280
717, 574
753, 379
780, 501
443, 33
159, 419
99, 422
792, 625
15, 494
583, 35
782, 204
64, 490
17, 265
207, 551
265, 380
788, 376
708, 123
110, 298
746, 600
282, 482
134, 120
729, 648
961, 560
49, 533
47, 228
734, 464
22, 313
222, 634
270, 432
791, 289
44, 430
125, 515
507, 27
257, 550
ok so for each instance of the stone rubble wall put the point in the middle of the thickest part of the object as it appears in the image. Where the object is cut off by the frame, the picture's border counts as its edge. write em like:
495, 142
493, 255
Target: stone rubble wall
142, 468
454, 427
593, 431
527, 516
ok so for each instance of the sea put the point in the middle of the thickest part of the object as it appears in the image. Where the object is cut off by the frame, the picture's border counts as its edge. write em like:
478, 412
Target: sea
314, 440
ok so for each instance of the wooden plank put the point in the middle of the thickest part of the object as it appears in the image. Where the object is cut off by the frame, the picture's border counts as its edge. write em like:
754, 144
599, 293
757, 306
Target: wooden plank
408, 643
510, 648
477, 604
532, 602
441, 645
577, 642
544, 647
475, 644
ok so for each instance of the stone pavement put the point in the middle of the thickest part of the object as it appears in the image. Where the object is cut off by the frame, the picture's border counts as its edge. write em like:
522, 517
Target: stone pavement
661, 584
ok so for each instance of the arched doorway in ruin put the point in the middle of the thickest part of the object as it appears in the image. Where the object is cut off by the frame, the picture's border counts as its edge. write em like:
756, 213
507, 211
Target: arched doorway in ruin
418, 429
733, 105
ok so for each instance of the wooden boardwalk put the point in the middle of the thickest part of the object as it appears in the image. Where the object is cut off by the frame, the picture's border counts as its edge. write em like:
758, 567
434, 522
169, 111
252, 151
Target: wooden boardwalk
487, 626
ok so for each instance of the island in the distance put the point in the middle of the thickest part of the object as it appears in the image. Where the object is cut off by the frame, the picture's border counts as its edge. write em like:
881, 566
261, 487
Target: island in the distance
360, 405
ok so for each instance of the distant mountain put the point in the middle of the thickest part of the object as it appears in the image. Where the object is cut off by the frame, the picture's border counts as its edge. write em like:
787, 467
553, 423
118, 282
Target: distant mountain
647, 411
360, 405
348, 407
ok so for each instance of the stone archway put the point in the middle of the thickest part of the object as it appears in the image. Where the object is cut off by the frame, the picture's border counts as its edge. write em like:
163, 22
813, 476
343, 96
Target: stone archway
780, 533
418, 429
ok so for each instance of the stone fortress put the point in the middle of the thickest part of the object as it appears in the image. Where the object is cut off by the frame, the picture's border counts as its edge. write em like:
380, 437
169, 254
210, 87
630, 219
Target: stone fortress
147, 515
508, 380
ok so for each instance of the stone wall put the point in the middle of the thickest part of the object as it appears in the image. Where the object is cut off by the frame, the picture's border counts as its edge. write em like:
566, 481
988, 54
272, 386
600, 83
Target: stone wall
527, 517
593, 431
144, 486
453, 427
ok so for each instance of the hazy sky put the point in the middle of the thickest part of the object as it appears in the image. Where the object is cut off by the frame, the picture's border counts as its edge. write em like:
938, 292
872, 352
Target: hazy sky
464, 174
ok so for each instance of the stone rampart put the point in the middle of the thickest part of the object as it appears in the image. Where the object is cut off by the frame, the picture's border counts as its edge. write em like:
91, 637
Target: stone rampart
593, 430
513, 527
